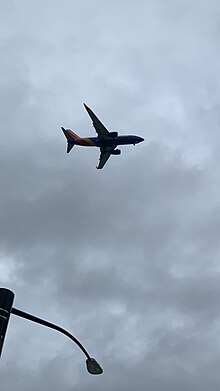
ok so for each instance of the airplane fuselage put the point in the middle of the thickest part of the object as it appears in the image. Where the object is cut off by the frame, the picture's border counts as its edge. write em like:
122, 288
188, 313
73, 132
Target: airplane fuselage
111, 142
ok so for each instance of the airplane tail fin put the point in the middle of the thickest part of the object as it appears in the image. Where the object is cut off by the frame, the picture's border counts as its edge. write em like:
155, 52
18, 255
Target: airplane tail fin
71, 138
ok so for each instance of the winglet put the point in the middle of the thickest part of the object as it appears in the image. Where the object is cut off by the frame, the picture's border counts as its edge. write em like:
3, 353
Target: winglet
89, 111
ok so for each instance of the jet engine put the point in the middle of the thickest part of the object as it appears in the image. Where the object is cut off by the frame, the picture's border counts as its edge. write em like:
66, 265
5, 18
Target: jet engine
114, 134
116, 152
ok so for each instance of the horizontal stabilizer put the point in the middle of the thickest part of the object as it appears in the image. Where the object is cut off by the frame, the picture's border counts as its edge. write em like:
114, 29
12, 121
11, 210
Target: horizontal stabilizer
69, 147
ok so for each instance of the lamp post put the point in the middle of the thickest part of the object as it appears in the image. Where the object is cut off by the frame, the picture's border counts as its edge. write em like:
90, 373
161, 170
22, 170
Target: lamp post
6, 301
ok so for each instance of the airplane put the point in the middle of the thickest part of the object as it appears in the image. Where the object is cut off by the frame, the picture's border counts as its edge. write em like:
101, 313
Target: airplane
106, 141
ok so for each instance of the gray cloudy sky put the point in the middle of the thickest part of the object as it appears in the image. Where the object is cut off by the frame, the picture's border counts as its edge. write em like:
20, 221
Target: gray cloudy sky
126, 258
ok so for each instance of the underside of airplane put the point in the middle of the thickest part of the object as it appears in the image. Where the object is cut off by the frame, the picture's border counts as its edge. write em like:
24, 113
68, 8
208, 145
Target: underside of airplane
105, 140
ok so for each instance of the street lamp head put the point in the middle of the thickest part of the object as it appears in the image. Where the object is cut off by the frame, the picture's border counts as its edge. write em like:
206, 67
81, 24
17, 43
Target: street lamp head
93, 367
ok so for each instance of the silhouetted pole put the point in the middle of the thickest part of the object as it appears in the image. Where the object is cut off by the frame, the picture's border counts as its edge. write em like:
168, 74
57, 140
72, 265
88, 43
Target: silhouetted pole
33, 318
6, 301
6, 309
92, 365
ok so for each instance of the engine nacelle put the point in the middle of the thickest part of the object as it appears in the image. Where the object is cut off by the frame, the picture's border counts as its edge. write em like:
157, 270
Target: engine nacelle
114, 134
116, 152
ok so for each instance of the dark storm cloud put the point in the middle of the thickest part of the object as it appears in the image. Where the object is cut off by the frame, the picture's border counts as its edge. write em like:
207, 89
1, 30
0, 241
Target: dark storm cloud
126, 258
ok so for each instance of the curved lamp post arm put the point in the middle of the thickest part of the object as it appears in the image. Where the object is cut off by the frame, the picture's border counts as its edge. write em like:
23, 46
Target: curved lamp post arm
93, 366
33, 318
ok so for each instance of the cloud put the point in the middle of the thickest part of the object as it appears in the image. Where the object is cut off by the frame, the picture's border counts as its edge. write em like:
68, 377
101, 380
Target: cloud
126, 258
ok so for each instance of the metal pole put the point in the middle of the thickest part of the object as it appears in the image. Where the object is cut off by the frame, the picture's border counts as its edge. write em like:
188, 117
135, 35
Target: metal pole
6, 301
92, 365
33, 318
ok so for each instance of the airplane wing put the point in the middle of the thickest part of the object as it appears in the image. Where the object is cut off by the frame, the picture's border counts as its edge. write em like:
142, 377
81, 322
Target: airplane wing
103, 133
104, 156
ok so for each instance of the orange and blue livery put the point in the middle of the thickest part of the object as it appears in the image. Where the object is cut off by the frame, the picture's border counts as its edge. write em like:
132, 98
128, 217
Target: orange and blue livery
105, 140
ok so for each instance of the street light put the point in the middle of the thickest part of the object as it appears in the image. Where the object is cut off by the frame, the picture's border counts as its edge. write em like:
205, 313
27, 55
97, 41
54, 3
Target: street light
6, 301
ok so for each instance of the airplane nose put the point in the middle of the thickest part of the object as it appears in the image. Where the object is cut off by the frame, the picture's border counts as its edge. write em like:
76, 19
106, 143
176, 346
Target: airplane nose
141, 139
